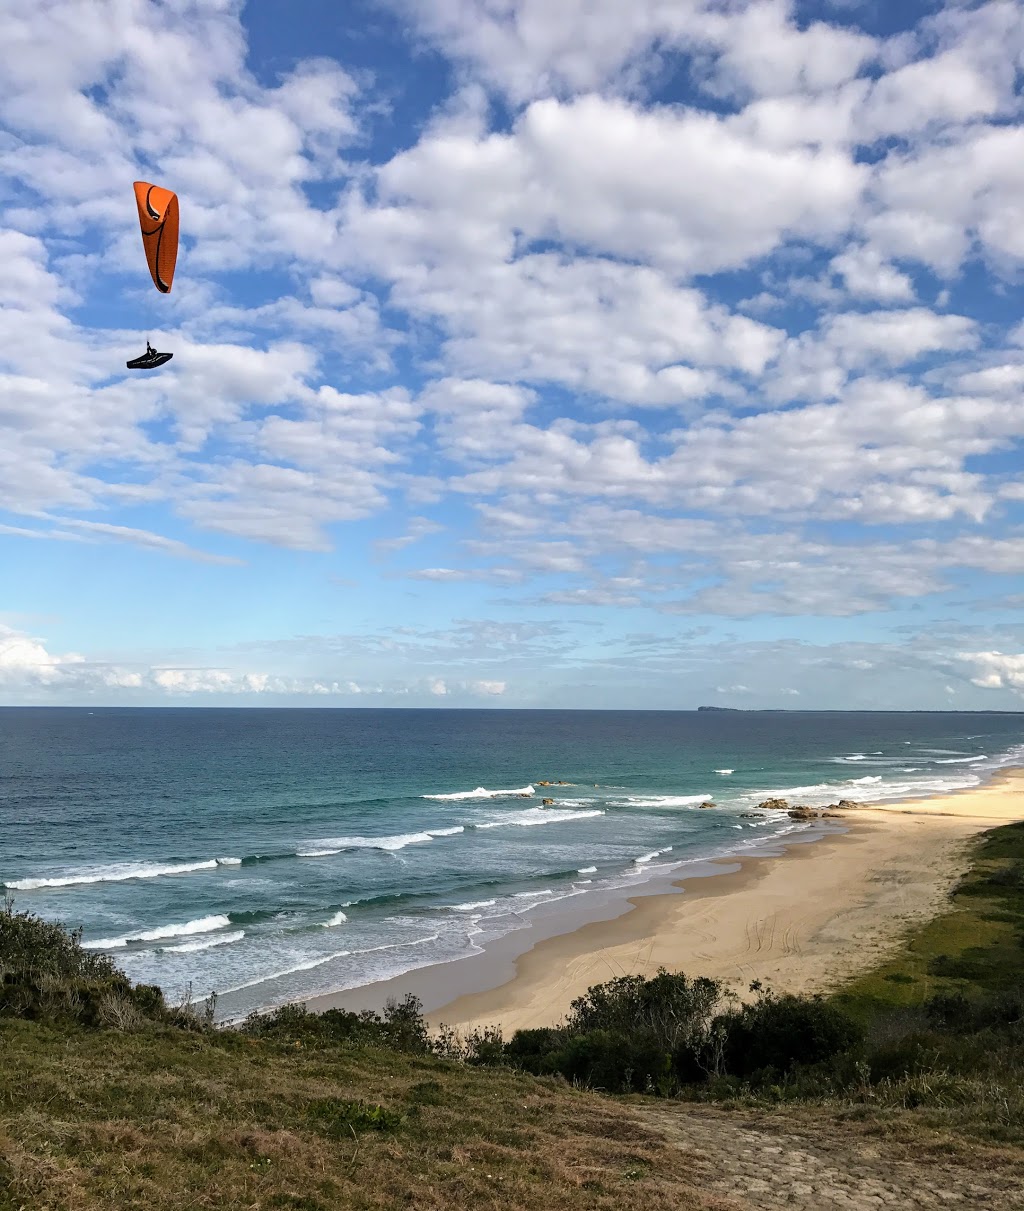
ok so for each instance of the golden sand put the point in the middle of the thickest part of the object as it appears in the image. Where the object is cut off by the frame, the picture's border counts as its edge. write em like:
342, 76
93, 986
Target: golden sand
801, 922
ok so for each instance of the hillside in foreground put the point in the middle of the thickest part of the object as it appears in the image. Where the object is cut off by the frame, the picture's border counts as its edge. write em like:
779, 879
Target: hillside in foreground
903, 1089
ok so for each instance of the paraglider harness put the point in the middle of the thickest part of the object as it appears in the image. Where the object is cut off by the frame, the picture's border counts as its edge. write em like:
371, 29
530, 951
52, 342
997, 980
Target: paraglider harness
149, 360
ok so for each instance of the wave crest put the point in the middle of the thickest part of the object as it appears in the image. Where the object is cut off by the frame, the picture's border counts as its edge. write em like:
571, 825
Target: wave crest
182, 929
117, 873
482, 792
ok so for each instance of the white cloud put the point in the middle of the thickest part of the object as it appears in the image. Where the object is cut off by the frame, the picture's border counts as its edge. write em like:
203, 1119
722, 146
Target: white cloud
23, 658
29, 671
528, 48
996, 670
567, 355
605, 176
493, 688
868, 276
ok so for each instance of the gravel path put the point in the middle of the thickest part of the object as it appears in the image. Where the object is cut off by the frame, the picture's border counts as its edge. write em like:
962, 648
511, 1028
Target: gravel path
777, 1163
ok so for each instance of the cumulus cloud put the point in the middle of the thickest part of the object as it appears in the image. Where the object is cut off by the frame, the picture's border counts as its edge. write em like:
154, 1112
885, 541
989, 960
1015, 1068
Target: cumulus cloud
996, 670
519, 326
25, 659
29, 671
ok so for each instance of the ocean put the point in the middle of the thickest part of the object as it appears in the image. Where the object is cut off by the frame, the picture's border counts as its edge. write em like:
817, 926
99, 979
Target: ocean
272, 855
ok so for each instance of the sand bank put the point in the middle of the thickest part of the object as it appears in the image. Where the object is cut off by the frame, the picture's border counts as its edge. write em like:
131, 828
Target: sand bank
802, 922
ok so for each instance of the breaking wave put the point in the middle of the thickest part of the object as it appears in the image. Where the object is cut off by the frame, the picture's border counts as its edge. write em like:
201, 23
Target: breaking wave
329, 846
482, 792
665, 800
116, 873
199, 925
205, 943
538, 815
655, 853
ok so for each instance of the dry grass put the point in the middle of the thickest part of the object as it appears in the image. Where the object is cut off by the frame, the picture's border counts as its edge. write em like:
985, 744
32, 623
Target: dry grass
168, 1121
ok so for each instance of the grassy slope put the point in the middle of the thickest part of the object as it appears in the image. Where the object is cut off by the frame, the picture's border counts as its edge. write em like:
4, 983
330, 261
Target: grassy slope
164, 1119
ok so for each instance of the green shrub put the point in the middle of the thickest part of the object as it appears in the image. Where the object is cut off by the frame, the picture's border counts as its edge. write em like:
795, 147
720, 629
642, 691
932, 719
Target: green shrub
669, 1007
333, 1116
616, 1062
401, 1027
777, 1033
532, 1049
45, 975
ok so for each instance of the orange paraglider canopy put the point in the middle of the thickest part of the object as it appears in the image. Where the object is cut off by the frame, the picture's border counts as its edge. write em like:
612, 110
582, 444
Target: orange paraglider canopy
158, 217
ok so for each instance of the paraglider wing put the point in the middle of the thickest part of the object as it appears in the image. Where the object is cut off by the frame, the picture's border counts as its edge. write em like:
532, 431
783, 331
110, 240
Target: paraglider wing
158, 218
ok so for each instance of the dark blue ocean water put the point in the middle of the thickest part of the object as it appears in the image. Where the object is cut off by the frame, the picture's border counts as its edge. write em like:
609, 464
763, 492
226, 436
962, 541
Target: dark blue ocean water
275, 854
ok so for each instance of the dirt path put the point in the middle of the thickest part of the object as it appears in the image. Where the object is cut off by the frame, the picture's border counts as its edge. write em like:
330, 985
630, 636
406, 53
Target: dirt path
776, 1162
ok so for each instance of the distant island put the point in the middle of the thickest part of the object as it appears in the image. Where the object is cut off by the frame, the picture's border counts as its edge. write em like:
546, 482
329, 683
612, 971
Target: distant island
719, 708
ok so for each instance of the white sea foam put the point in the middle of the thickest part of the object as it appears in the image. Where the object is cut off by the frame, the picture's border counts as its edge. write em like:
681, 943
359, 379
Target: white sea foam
645, 858
665, 800
339, 918
447, 832
539, 815
959, 760
199, 925
471, 905
482, 792
336, 845
532, 895
580, 882
724, 771
873, 787
587, 870
229, 861
320, 960
205, 943
116, 873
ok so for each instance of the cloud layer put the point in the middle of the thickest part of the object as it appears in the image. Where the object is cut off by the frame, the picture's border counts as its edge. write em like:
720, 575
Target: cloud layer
666, 315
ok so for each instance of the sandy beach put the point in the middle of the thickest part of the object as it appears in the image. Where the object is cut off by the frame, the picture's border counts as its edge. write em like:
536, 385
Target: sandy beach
802, 920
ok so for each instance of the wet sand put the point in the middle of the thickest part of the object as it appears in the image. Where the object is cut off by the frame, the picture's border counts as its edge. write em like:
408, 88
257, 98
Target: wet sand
802, 920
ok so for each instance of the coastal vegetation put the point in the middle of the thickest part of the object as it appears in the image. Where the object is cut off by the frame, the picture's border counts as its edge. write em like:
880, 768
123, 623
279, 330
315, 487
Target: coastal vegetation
111, 1098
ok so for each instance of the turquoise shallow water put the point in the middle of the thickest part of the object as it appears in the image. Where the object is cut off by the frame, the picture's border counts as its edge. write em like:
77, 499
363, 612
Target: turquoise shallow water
273, 855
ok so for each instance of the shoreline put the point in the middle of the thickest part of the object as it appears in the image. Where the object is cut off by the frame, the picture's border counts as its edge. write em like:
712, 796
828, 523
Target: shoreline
802, 914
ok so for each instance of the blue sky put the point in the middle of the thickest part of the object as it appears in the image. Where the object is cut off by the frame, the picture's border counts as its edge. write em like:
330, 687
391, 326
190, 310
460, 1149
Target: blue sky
588, 355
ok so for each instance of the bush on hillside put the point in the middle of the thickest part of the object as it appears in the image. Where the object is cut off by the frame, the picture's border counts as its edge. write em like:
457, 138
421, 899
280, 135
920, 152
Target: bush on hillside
401, 1026
674, 1010
45, 975
775, 1034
